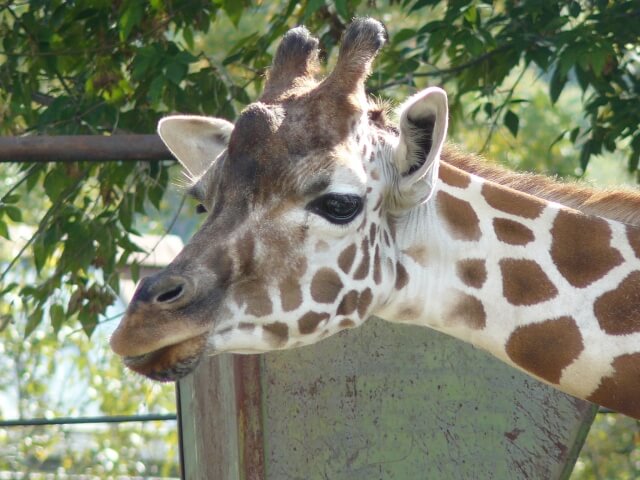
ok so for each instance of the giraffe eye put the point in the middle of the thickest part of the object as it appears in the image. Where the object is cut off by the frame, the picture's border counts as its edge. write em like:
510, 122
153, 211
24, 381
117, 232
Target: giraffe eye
337, 208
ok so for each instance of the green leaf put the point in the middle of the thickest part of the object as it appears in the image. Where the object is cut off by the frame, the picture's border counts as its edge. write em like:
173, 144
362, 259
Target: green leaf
558, 81
135, 271
33, 320
234, 10
585, 155
4, 230
512, 122
634, 157
187, 34
13, 212
575, 9
11, 198
39, 255
55, 183
156, 88
403, 35
131, 17
56, 312
343, 9
176, 72
88, 320
312, 7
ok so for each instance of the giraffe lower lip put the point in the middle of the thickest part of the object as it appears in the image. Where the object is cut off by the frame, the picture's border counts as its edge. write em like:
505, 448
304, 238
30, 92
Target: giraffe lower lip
169, 363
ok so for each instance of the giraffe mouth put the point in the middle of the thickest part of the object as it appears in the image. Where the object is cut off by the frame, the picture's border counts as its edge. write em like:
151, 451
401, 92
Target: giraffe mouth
169, 363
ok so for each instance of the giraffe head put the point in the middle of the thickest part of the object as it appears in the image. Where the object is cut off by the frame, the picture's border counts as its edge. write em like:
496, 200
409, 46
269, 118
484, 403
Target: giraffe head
302, 197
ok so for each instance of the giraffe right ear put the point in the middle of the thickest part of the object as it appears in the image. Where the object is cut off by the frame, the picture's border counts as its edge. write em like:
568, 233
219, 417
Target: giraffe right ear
194, 140
423, 128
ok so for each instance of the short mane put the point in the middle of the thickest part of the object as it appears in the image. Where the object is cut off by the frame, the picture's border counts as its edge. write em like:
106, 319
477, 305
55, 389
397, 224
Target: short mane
619, 205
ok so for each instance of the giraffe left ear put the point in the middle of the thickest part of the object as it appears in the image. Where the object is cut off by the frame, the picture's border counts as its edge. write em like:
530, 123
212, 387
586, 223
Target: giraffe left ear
423, 128
194, 140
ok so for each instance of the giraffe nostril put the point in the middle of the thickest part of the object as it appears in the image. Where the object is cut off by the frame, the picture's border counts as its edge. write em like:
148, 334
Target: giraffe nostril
170, 295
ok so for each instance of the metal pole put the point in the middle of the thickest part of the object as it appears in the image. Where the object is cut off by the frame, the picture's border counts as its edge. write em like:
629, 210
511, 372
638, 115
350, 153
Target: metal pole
30, 422
90, 148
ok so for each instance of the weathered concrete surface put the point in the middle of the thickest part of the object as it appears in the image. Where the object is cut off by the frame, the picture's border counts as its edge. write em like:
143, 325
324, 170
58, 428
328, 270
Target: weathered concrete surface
402, 402
380, 402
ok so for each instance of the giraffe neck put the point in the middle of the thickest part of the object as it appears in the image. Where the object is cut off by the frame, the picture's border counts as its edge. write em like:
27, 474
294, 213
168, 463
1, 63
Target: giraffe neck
547, 289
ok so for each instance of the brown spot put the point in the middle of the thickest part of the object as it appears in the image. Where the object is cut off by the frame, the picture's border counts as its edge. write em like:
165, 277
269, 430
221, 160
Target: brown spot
402, 277
346, 258
511, 232
509, 201
386, 238
375, 175
347, 323
472, 272
290, 294
468, 311
633, 235
245, 248
546, 348
364, 301
257, 300
618, 311
524, 282
348, 304
453, 176
363, 268
418, 253
377, 277
378, 204
410, 312
309, 321
581, 248
223, 266
372, 233
363, 223
620, 390
460, 218
322, 246
325, 286
278, 333
224, 331
246, 326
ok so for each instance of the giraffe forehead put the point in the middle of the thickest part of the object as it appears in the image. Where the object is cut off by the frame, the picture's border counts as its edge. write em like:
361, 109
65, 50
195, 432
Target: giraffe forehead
289, 147
298, 125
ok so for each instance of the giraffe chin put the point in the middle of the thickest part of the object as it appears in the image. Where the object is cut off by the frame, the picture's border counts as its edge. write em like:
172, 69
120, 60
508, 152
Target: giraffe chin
170, 363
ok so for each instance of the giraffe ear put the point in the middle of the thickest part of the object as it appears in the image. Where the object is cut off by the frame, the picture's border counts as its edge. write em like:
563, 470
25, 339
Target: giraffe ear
423, 128
195, 141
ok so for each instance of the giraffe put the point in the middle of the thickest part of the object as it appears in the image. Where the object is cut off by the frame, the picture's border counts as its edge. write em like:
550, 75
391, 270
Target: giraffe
321, 213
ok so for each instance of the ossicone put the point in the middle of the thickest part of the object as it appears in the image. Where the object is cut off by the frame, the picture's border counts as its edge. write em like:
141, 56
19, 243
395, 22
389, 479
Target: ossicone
295, 62
362, 40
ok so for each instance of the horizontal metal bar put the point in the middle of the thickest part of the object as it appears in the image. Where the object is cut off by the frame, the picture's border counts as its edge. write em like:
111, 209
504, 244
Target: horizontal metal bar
30, 422
606, 410
90, 148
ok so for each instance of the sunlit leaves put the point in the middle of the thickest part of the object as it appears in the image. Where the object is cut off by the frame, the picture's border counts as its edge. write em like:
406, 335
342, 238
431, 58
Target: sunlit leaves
472, 47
